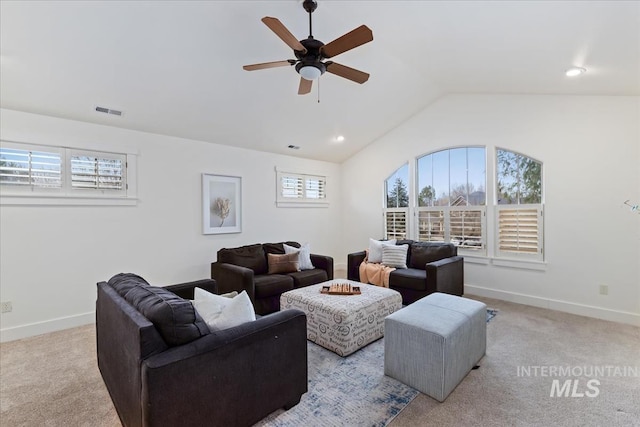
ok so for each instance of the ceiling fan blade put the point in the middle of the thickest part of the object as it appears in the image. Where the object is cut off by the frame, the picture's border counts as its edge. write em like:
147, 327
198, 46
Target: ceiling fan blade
281, 31
264, 65
347, 72
305, 86
352, 39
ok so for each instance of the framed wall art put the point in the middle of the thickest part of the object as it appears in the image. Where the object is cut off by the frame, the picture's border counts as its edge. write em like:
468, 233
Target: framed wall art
221, 204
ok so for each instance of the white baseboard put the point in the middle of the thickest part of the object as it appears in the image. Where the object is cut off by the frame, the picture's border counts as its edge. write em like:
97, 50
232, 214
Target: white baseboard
552, 304
39, 328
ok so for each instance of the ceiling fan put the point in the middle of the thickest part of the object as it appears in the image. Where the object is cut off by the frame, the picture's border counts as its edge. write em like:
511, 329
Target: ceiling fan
311, 53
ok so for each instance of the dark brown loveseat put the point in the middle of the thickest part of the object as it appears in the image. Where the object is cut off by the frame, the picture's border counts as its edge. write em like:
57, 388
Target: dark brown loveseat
246, 268
432, 267
162, 366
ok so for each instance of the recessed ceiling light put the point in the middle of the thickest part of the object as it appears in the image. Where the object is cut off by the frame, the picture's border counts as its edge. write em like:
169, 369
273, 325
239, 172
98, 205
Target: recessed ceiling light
339, 138
575, 71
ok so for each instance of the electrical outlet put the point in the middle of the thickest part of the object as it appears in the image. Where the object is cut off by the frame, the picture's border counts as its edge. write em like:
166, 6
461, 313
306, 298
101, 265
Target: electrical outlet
6, 307
604, 290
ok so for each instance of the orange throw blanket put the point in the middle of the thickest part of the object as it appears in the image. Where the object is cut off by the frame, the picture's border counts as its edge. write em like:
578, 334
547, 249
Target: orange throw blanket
374, 273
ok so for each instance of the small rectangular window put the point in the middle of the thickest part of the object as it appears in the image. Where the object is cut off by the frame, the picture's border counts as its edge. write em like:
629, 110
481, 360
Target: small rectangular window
314, 187
296, 189
292, 187
98, 171
30, 168
31, 174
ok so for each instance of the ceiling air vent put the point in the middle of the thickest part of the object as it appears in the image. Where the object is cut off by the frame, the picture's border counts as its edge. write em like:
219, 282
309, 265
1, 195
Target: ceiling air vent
108, 111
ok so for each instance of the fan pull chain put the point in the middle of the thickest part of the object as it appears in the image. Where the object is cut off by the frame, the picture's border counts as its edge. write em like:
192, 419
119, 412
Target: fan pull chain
318, 91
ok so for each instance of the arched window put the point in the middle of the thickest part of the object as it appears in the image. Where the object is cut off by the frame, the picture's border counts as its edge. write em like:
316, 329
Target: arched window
450, 203
519, 205
396, 201
451, 197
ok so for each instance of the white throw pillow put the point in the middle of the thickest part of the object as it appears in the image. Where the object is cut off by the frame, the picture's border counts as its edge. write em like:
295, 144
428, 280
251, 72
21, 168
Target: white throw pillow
199, 293
239, 311
209, 306
304, 257
375, 249
395, 256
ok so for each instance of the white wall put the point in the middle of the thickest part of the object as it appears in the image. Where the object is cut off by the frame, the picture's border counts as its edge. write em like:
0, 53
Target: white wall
50, 259
52, 256
590, 147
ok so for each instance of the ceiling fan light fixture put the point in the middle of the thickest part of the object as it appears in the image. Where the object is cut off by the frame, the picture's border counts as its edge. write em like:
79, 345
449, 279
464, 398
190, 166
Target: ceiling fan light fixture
310, 72
310, 53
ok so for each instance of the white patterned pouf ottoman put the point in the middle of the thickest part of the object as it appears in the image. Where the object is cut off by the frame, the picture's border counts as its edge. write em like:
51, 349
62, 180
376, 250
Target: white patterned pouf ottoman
343, 323
432, 344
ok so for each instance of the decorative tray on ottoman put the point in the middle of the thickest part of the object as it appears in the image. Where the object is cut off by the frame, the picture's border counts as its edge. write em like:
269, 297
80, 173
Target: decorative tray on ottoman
341, 289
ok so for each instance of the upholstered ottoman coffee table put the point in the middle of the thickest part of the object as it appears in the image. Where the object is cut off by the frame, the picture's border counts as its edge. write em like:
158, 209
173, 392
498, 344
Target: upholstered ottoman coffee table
343, 323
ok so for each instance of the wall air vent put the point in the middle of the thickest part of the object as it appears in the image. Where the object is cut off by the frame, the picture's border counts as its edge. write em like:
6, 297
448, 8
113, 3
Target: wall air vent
108, 111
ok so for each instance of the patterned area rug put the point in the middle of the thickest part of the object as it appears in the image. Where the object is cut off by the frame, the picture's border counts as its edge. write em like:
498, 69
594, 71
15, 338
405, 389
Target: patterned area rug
350, 391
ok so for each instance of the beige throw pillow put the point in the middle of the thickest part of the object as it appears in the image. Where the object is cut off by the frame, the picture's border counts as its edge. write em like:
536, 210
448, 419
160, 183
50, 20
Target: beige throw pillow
287, 263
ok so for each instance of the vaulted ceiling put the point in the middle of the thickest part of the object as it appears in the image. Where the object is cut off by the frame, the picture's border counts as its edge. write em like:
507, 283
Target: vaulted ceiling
175, 68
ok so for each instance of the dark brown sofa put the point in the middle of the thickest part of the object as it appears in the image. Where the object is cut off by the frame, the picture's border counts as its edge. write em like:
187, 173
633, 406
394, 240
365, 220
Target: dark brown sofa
246, 268
432, 267
162, 366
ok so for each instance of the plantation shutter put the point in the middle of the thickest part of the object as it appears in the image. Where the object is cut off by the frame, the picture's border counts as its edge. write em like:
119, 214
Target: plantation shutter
32, 169
431, 226
520, 231
315, 187
97, 171
296, 190
466, 227
292, 187
396, 223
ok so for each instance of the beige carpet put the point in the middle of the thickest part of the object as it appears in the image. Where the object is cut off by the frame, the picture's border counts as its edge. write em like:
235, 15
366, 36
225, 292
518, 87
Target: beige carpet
53, 380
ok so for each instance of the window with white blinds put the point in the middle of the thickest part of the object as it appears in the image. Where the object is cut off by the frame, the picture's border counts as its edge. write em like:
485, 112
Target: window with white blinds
451, 198
519, 208
431, 225
101, 172
466, 227
449, 203
32, 169
396, 204
462, 226
395, 223
295, 188
315, 187
61, 172
520, 231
